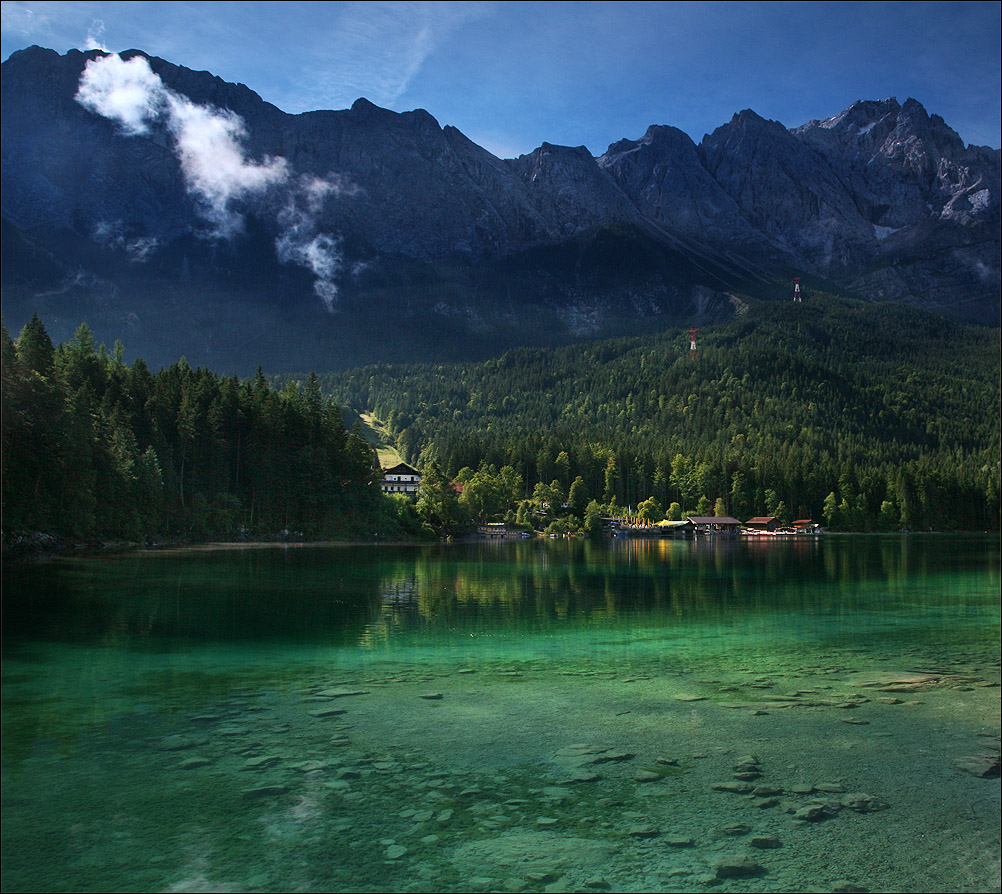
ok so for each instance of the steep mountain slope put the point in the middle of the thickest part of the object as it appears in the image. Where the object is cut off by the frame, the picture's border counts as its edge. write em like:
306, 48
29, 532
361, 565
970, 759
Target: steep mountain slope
932, 202
199, 219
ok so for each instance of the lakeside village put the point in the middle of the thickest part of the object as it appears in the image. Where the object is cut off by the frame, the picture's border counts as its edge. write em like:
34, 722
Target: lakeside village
404, 479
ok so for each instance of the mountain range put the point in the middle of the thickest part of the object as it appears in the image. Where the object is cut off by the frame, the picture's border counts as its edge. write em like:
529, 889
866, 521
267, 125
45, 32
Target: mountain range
186, 215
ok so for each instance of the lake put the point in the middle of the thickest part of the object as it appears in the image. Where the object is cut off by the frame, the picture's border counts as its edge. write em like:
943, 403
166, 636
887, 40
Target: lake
806, 714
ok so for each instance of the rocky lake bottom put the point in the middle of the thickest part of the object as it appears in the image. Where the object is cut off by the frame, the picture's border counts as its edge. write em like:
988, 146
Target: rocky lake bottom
576, 759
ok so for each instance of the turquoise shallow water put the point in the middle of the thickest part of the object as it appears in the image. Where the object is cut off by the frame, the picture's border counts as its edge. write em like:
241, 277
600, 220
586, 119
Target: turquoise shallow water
544, 715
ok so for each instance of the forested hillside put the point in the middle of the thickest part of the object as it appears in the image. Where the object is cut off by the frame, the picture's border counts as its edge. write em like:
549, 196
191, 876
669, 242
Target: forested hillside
863, 416
95, 447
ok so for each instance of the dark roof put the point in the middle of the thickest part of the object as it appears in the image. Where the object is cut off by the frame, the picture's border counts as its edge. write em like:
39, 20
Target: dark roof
401, 469
713, 520
761, 520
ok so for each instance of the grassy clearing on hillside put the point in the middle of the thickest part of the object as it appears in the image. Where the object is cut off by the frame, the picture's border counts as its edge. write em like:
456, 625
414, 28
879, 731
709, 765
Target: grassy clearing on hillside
378, 435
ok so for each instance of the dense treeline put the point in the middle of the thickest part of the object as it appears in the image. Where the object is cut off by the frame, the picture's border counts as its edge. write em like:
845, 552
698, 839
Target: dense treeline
95, 447
865, 417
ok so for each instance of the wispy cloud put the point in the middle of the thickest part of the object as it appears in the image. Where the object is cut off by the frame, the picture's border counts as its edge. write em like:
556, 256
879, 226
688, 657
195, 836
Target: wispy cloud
375, 50
208, 142
20, 18
301, 241
209, 145
94, 39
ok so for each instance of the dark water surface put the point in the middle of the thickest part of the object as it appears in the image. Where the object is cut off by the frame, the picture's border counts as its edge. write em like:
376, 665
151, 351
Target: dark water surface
541, 715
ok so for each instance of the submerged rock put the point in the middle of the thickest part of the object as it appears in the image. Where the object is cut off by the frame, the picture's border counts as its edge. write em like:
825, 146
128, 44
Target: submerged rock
985, 766
735, 788
193, 763
764, 842
326, 712
739, 866
861, 802
679, 841
341, 693
265, 791
259, 763
813, 813
577, 756
766, 791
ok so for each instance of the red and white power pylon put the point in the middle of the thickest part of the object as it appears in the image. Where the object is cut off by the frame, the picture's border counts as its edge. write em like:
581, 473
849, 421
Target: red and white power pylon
692, 343
796, 290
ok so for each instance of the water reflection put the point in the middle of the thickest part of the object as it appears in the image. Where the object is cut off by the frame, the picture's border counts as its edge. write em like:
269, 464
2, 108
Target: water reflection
333, 595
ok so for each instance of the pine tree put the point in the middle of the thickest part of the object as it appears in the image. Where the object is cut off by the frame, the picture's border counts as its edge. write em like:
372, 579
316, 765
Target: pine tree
34, 348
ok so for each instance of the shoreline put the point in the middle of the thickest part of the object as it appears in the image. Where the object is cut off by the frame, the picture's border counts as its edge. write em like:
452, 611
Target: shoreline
29, 547
37, 546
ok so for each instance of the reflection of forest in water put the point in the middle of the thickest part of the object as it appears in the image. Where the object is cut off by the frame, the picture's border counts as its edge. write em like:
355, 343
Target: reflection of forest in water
331, 595
540, 583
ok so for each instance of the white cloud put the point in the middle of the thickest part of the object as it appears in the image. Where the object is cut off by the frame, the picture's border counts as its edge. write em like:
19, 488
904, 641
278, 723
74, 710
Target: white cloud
301, 242
124, 90
208, 142
93, 40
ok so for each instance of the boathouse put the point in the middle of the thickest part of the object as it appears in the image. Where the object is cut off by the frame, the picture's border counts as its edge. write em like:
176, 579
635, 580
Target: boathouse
763, 523
714, 524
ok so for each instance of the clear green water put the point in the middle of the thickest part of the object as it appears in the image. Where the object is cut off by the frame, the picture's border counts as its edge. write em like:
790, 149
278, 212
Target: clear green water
544, 715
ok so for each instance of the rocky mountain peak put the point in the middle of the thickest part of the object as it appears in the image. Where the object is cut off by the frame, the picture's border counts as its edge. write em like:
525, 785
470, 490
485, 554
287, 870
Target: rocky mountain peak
364, 112
903, 164
882, 197
658, 137
748, 120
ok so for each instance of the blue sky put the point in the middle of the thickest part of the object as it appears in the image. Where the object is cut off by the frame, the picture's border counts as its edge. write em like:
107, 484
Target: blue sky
513, 74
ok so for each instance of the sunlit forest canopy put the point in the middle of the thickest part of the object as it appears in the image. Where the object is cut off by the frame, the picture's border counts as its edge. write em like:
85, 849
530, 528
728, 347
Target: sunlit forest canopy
863, 416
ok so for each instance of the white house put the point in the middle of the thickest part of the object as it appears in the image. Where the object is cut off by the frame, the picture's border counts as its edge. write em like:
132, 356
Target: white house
401, 479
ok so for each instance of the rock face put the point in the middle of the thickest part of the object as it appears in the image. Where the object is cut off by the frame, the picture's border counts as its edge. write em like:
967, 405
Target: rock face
786, 191
416, 222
